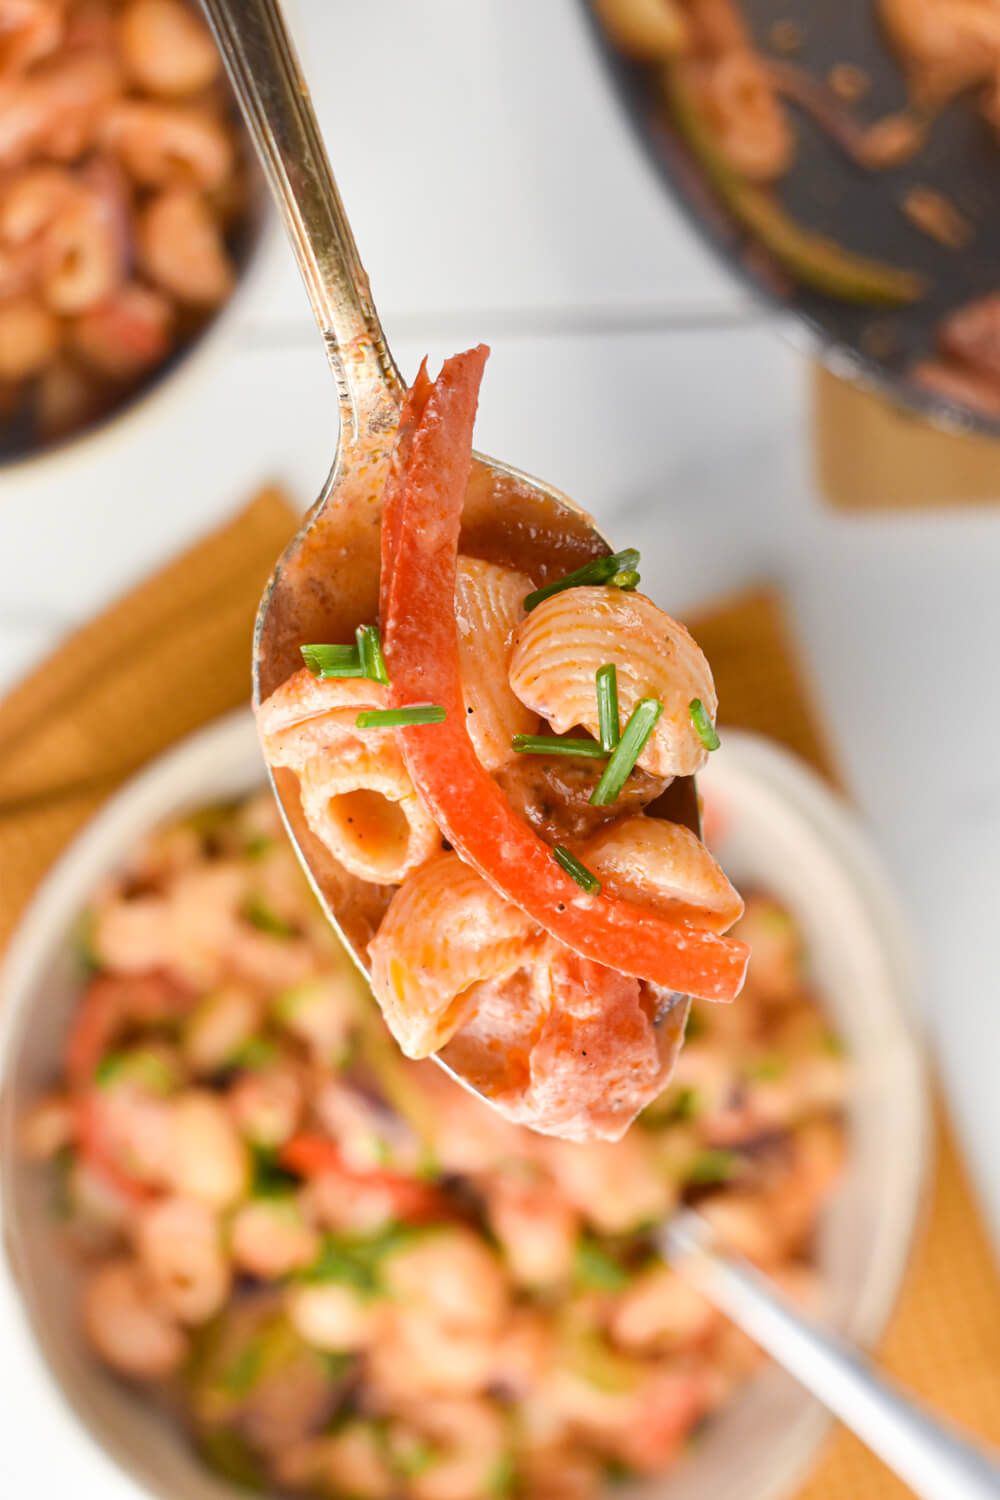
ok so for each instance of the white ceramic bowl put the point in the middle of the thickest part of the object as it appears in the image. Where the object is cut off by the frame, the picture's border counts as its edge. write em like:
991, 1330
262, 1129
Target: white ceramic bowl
783, 831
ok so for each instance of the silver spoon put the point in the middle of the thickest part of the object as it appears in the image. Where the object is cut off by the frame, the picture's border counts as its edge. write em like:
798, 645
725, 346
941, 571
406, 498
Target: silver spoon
326, 583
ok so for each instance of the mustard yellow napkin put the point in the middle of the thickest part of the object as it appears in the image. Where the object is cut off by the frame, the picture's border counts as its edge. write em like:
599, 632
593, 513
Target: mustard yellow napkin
870, 455
944, 1340
169, 656
175, 653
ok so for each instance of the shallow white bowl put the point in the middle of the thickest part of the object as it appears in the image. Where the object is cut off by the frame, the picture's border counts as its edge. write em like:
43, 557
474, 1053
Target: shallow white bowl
783, 831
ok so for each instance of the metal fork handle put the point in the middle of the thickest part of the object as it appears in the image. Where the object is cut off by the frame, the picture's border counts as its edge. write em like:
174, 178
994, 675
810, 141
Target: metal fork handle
936, 1460
260, 59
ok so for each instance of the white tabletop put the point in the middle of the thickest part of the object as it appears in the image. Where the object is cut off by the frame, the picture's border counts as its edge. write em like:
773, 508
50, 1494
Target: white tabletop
496, 193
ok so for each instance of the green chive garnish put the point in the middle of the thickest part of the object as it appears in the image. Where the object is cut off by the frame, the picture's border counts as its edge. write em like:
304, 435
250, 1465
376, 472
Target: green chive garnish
596, 1270
703, 726
608, 719
601, 570
557, 744
363, 660
627, 580
394, 718
370, 653
259, 914
583, 877
333, 661
712, 1166
631, 745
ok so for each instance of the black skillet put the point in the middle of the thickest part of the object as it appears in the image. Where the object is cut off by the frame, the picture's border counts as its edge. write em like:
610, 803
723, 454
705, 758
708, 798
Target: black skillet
857, 208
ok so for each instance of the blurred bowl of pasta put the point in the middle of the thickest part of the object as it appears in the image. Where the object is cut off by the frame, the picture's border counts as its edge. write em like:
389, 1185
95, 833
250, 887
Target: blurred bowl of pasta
841, 166
134, 224
779, 830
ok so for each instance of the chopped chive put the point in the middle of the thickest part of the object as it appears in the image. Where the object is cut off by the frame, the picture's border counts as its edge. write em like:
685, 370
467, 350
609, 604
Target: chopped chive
626, 580
831, 1044
256, 1053
703, 726
766, 1069
583, 877
109, 1069
557, 744
640, 726
500, 1482
712, 1166
595, 1269
333, 661
370, 653
685, 1104
608, 718
392, 718
259, 914
600, 570
411, 1459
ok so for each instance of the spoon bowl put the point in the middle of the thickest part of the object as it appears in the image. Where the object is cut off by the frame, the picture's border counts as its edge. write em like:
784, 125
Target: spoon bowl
326, 583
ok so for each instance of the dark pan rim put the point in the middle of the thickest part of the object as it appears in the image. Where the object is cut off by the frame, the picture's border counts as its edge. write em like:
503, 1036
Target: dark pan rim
715, 226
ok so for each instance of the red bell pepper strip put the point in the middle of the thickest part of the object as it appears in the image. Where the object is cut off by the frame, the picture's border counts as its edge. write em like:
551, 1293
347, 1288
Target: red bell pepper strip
316, 1156
421, 523
413, 404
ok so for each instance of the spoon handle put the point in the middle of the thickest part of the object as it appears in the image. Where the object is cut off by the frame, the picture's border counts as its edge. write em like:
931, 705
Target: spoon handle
260, 59
936, 1460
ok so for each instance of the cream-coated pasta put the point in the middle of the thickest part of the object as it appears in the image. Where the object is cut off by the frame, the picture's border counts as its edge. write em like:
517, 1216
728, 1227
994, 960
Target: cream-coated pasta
514, 718
445, 931
562, 643
566, 1046
555, 1041
489, 604
663, 864
473, 1274
356, 794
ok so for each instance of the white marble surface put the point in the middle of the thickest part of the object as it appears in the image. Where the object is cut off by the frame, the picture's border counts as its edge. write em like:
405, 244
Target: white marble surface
496, 194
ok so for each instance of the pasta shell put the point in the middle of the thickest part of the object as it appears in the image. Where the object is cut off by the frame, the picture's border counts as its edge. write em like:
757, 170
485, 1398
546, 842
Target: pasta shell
489, 604
566, 1046
663, 865
445, 931
563, 641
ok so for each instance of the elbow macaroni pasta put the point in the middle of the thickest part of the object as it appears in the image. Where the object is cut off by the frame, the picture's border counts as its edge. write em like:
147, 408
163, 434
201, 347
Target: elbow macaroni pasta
356, 794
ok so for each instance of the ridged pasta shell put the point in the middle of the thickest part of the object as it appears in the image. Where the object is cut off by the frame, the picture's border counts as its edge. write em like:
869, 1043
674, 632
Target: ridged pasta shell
445, 931
563, 641
566, 1046
489, 604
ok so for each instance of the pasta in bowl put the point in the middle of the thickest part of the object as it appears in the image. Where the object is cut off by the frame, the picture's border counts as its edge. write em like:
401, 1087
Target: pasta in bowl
773, 825
491, 759
341, 1273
